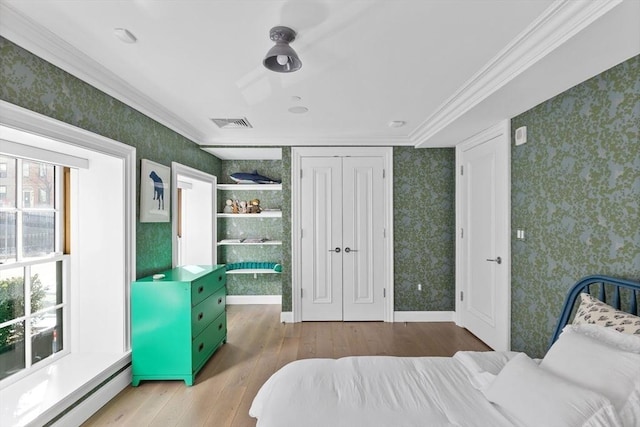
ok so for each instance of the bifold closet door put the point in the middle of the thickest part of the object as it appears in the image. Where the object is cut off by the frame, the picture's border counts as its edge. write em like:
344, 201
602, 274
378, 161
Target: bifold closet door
321, 243
363, 238
342, 238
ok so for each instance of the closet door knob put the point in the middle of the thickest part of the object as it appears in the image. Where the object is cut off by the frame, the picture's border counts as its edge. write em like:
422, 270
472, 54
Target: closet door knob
348, 249
497, 260
336, 250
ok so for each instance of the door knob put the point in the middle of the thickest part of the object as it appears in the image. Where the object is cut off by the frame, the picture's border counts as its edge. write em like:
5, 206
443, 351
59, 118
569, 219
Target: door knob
336, 250
497, 260
348, 249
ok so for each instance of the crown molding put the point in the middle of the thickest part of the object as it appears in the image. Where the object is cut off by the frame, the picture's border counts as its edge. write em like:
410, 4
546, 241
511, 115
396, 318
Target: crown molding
557, 24
43, 43
320, 141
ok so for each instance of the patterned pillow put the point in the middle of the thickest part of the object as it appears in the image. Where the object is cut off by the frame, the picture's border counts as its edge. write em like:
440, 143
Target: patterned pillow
594, 311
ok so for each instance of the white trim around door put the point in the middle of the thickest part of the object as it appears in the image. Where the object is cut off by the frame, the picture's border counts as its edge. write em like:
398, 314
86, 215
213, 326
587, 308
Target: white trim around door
297, 154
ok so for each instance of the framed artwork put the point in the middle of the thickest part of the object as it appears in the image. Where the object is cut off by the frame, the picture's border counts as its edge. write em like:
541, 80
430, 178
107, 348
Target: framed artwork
155, 192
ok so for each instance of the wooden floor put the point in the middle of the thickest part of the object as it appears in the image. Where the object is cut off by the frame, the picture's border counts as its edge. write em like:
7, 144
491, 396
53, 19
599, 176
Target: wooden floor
258, 344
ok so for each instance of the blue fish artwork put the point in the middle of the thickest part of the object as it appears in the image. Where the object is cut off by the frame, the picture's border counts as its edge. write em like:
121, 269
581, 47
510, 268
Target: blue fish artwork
252, 178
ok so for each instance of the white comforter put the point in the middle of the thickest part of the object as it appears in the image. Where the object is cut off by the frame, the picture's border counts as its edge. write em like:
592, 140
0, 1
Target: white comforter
381, 391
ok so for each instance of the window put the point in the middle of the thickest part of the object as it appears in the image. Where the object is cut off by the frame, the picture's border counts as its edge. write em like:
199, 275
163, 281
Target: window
32, 305
102, 241
3, 170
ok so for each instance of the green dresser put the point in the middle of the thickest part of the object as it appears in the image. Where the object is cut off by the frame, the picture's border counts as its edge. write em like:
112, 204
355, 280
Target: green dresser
177, 322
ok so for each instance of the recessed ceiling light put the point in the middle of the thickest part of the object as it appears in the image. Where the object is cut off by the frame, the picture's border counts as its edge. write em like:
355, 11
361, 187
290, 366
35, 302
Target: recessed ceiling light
125, 35
296, 98
396, 123
299, 109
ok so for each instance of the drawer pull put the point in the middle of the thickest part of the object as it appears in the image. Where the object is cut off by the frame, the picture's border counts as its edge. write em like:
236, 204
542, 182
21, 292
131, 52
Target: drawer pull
200, 316
220, 300
201, 346
200, 289
220, 326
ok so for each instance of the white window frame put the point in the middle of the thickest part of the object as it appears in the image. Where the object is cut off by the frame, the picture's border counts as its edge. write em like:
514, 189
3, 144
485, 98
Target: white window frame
25, 263
27, 316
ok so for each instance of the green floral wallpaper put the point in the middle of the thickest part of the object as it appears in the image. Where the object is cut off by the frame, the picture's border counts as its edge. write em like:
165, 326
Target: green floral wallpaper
287, 304
30, 82
576, 193
424, 224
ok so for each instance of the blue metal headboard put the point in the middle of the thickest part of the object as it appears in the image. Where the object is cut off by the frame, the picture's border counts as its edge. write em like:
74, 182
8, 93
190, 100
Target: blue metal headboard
612, 297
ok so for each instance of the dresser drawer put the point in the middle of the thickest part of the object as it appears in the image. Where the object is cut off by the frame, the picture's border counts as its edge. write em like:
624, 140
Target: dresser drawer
205, 343
205, 286
205, 312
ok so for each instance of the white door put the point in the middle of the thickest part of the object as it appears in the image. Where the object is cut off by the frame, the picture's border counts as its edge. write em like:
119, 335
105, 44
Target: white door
321, 243
342, 238
193, 216
484, 298
362, 237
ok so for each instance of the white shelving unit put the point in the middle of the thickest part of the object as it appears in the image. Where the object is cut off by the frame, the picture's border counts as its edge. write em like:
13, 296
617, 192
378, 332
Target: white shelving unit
253, 271
263, 214
267, 243
250, 187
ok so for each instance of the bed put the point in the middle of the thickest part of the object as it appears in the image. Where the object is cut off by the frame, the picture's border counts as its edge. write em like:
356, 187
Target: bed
590, 376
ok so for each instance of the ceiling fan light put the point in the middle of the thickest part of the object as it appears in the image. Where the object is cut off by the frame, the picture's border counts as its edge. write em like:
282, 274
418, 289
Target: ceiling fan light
281, 58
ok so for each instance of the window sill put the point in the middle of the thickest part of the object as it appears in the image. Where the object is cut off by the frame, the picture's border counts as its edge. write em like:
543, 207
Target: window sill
45, 394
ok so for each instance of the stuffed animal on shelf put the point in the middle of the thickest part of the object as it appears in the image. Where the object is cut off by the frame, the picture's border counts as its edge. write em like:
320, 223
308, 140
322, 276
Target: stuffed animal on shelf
254, 206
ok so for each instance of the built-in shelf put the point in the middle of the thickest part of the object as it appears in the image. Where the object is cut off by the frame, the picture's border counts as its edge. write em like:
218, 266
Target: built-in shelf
253, 271
250, 187
268, 247
268, 242
263, 214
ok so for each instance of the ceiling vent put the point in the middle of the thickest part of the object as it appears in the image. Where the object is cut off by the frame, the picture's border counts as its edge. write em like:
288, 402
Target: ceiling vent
232, 123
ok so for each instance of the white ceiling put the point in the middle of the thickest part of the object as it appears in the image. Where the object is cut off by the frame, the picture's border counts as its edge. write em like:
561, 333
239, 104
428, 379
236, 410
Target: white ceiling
448, 68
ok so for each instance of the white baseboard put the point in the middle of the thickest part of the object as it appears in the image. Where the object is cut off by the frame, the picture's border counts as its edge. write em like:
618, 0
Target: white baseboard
253, 299
399, 316
85, 409
423, 316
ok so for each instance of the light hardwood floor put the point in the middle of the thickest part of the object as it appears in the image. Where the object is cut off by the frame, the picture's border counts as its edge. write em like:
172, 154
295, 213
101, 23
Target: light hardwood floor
258, 344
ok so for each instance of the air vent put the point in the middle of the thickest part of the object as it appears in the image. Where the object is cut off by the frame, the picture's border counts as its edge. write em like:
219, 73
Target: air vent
232, 123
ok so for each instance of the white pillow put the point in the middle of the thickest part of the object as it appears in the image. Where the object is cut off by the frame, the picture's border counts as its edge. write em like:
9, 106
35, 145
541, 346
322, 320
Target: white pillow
607, 336
535, 397
599, 364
